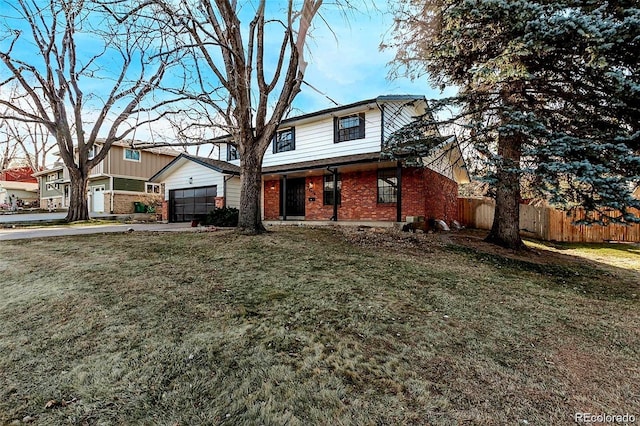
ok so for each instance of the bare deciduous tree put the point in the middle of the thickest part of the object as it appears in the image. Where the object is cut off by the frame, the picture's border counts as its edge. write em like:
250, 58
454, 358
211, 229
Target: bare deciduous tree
83, 74
248, 90
29, 143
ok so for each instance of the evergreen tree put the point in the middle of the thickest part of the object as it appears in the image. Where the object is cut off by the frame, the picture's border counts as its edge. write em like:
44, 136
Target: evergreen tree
548, 91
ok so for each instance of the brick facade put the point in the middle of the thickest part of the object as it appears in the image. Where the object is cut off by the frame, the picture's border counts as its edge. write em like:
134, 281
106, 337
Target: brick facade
165, 210
424, 193
271, 199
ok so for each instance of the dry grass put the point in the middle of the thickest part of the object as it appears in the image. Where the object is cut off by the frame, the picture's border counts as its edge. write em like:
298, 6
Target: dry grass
309, 326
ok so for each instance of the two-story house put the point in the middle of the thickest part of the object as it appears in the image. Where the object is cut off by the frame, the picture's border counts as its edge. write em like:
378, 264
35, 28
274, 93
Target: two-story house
327, 165
118, 181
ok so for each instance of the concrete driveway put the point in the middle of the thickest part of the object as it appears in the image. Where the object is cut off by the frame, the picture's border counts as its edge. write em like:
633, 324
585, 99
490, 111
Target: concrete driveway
56, 231
42, 217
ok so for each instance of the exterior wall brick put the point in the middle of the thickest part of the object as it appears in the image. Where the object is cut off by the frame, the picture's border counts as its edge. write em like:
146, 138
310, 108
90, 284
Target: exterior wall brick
441, 197
165, 210
123, 203
424, 193
271, 199
219, 202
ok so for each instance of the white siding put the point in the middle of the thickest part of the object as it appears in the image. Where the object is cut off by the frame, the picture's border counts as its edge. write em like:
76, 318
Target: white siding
446, 161
233, 192
314, 141
202, 176
314, 137
398, 114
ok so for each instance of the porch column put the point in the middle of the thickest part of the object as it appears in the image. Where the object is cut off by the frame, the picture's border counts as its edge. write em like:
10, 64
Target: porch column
399, 192
283, 197
335, 194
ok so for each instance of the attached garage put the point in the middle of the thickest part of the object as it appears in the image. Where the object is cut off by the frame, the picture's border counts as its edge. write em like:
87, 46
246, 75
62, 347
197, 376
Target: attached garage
194, 186
188, 204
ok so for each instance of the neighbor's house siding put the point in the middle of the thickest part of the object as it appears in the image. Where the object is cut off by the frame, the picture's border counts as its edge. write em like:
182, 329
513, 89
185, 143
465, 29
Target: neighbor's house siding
52, 196
103, 181
133, 185
424, 193
148, 165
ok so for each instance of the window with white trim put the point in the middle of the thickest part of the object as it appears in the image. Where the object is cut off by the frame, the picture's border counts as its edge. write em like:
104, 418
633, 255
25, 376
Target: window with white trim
132, 154
152, 188
93, 152
348, 128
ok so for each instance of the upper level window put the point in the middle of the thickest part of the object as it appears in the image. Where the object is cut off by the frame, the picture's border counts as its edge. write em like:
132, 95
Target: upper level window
232, 153
132, 154
284, 140
93, 152
348, 128
387, 186
327, 198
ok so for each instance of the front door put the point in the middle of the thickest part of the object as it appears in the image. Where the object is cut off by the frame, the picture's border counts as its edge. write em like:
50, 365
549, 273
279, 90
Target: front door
98, 199
295, 197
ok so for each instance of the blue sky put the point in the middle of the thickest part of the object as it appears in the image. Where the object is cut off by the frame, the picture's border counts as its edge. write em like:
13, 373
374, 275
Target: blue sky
349, 66
345, 63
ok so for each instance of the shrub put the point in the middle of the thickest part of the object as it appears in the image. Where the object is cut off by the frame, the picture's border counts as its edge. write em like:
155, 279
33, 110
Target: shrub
225, 217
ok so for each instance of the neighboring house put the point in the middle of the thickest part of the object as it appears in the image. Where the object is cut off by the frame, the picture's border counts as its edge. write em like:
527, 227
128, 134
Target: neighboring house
327, 166
118, 181
17, 194
18, 174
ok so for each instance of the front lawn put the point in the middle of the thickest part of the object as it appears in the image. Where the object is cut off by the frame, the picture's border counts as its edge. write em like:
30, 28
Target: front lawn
310, 326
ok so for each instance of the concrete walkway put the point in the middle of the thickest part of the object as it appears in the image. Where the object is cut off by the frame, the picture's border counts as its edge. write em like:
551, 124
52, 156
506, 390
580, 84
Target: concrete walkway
57, 231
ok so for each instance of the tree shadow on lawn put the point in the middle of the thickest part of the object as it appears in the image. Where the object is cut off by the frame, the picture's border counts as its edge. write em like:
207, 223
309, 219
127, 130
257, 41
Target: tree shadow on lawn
584, 270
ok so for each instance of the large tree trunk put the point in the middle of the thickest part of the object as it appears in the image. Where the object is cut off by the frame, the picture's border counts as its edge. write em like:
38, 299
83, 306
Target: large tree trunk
78, 206
505, 230
250, 219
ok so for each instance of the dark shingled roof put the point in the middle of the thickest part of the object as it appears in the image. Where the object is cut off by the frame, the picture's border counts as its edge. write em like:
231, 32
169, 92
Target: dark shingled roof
217, 165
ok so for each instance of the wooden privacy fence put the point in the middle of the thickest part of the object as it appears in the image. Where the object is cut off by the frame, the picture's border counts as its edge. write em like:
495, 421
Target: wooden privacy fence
546, 223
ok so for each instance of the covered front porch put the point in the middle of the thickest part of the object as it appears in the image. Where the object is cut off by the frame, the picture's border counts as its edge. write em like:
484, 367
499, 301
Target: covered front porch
361, 188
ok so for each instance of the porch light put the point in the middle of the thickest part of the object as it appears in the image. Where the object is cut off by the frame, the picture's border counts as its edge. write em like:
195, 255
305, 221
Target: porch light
310, 185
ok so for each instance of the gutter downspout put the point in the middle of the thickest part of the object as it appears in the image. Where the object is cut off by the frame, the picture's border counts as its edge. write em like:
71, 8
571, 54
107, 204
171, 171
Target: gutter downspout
113, 194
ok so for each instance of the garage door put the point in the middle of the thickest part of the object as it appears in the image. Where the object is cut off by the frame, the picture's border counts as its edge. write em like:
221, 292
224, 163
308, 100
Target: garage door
188, 204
